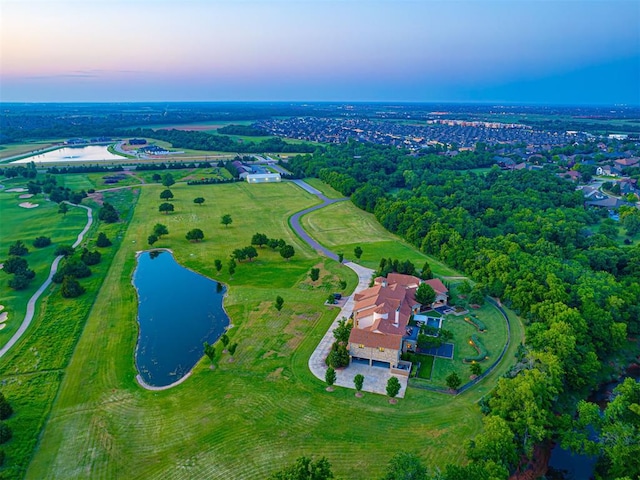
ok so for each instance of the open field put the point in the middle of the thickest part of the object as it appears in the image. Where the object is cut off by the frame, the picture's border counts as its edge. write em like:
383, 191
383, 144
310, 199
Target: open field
17, 223
243, 419
343, 226
326, 189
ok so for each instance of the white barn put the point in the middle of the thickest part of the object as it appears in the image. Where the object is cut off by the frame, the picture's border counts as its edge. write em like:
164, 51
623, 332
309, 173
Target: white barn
263, 177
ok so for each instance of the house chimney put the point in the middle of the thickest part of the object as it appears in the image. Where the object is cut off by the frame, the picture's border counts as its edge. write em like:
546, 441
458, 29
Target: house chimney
397, 319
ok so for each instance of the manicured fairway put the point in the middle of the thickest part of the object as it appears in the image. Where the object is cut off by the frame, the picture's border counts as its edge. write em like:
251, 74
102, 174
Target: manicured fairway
247, 418
17, 223
343, 226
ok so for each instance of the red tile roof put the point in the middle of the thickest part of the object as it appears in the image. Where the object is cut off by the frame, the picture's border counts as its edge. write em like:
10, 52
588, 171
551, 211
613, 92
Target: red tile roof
374, 339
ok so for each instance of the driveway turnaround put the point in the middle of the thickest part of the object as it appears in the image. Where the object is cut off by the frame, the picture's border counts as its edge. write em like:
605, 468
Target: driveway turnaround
375, 378
31, 306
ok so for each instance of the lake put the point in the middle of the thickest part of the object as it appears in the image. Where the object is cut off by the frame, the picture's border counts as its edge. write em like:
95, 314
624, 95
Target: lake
87, 153
178, 310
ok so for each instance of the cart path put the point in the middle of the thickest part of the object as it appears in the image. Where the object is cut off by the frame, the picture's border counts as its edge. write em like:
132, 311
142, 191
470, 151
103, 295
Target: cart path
31, 306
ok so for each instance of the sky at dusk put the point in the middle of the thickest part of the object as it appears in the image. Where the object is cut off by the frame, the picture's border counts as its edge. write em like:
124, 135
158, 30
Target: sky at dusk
515, 51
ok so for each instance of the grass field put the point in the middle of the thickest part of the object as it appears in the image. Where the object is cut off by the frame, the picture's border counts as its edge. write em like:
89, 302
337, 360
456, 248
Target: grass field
243, 419
342, 226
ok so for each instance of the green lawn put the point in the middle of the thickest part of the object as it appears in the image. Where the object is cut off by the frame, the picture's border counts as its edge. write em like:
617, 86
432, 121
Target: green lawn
326, 189
342, 226
243, 419
17, 223
426, 365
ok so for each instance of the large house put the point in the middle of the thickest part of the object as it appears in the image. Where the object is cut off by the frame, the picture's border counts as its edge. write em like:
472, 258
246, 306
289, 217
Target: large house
381, 315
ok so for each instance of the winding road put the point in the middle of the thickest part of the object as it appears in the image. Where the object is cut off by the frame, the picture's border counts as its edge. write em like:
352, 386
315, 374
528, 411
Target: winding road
376, 382
31, 305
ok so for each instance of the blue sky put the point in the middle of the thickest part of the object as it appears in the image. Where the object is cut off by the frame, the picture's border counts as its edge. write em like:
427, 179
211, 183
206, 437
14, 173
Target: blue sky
510, 51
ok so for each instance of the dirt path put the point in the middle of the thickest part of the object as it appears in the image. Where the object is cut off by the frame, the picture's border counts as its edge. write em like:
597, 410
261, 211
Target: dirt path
31, 306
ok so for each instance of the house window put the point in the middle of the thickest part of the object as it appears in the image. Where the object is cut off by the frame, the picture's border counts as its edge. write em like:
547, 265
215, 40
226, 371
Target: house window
361, 346
381, 349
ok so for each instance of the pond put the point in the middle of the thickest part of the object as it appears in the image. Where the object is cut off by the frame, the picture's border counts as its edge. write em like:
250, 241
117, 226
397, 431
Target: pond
178, 310
87, 153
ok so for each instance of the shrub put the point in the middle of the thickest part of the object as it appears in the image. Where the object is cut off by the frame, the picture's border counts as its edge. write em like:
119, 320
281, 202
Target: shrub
482, 351
19, 281
476, 322
66, 250
41, 242
338, 356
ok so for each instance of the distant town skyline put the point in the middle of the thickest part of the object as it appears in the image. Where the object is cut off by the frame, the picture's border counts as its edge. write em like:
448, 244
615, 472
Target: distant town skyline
520, 51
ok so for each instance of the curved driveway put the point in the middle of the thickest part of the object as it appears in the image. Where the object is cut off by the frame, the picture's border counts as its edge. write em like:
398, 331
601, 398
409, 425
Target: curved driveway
31, 306
376, 378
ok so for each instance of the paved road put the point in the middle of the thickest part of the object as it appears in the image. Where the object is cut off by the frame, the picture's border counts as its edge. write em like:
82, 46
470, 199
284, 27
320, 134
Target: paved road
295, 218
375, 377
31, 306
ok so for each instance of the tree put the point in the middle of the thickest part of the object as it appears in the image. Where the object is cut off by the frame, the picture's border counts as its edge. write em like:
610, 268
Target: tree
232, 267
314, 274
393, 387
167, 180
475, 368
476, 297
20, 281
103, 240
340, 257
64, 250
331, 299
226, 220
224, 338
453, 381
342, 332
156, 177
71, 288
287, 252
166, 194
425, 273
232, 349
465, 288
14, 265
218, 264
5, 433
357, 252
425, 294
250, 252
195, 235
209, 351
152, 239
41, 242
342, 284
5, 408
305, 469
198, 200
18, 249
259, 239
239, 254
166, 208
495, 443
108, 213
406, 466
330, 376
63, 208
159, 230
358, 382
90, 258
279, 303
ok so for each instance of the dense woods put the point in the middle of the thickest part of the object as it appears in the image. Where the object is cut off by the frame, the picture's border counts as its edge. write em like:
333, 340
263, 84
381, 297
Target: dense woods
526, 238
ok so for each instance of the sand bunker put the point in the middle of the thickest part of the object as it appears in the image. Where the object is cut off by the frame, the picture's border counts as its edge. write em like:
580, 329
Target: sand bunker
28, 205
3, 317
2, 325
1, 307
16, 190
26, 195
